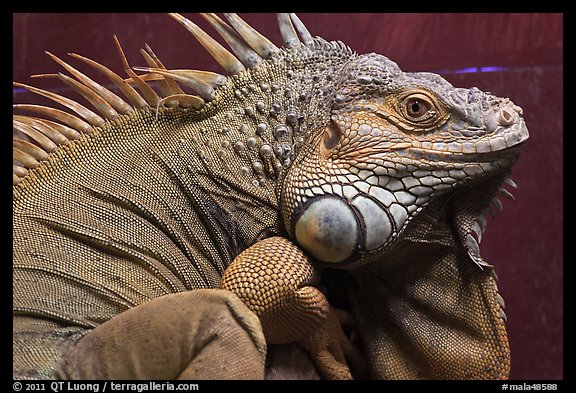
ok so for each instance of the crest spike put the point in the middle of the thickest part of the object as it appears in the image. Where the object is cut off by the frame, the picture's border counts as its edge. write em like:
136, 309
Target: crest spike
130, 93
302, 30
101, 105
81, 110
149, 94
116, 102
45, 143
198, 80
38, 123
287, 30
164, 87
170, 85
226, 59
246, 54
19, 171
30, 149
55, 136
66, 118
257, 41
185, 100
25, 159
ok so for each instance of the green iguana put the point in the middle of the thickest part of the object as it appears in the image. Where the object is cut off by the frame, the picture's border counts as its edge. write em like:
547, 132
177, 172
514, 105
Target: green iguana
190, 221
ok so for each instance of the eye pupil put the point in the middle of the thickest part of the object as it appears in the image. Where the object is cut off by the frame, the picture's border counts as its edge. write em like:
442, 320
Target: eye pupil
416, 107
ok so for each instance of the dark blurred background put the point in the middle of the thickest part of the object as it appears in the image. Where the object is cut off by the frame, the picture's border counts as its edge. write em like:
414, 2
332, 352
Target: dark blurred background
519, 56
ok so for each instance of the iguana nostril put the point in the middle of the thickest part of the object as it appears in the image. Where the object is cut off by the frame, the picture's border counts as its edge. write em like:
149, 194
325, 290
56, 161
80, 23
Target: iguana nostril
506, 116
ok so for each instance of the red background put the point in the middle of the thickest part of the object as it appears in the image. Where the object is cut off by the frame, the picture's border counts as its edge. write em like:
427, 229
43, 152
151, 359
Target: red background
525, 243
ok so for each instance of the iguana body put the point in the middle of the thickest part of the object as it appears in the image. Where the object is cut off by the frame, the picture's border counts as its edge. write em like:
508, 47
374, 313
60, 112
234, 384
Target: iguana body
148, 209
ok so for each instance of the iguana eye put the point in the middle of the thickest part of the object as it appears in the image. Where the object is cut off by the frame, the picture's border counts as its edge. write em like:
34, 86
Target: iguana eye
418, 108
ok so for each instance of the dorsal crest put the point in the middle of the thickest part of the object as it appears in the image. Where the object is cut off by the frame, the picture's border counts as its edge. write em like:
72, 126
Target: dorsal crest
47, 128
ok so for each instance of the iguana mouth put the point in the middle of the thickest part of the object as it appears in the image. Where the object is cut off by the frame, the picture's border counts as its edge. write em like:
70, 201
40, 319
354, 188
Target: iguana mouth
502, 157
502, 143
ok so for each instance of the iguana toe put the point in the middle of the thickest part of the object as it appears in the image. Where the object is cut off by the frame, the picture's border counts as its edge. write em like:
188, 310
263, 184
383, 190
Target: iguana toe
331, 349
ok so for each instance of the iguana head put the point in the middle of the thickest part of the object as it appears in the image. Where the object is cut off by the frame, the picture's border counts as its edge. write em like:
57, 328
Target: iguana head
395, 142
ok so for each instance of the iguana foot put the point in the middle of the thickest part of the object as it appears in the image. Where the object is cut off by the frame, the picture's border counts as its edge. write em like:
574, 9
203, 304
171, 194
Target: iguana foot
201, 334
273, 277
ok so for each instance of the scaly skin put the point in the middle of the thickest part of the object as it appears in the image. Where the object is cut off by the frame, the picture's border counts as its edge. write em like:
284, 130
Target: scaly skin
311, 159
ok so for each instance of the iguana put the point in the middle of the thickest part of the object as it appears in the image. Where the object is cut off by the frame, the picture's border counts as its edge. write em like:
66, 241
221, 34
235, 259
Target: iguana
191, 220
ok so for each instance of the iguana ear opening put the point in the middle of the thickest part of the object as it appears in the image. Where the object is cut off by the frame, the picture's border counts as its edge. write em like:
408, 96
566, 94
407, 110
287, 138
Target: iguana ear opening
330, 138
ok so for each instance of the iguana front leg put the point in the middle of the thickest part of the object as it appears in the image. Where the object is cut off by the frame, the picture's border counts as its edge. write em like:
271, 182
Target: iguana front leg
274, 279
